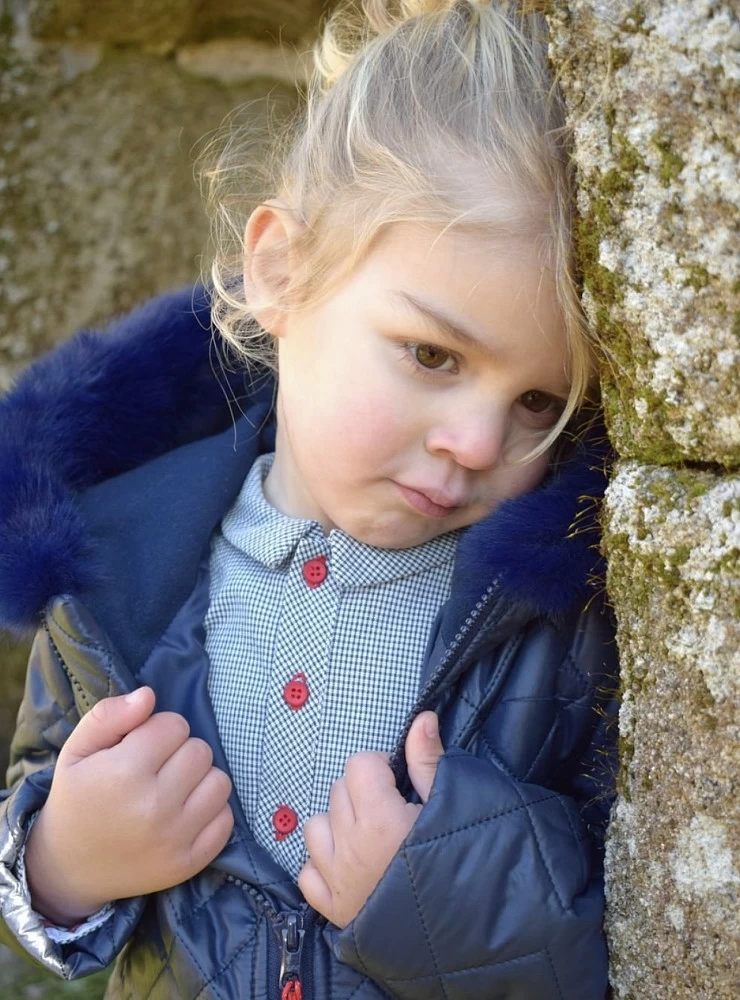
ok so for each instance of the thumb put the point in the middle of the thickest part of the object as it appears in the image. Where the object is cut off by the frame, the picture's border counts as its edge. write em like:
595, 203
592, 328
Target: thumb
107, 722
423, 750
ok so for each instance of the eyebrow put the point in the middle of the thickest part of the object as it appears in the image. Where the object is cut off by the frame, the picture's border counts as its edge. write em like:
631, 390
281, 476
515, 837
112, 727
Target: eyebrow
453, 328
449, 325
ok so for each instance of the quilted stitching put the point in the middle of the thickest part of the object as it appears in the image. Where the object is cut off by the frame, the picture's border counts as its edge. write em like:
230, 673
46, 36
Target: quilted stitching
474, 968
181, 939
481, 822
233, 958
540, 851
546, 744
554, 973
423, 922
496, 757
102, 652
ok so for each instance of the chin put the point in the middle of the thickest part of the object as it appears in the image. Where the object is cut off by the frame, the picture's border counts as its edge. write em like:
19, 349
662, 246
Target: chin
394, 536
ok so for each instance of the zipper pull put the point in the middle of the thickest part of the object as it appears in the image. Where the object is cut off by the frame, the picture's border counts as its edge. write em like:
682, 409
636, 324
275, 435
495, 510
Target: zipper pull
292, 934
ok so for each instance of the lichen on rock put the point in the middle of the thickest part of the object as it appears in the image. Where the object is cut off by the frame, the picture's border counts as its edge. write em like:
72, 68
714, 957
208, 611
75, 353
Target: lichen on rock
652, 90
672, 537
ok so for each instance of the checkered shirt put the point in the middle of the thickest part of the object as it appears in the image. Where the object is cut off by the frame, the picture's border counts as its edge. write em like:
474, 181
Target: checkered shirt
357, 637
350, 632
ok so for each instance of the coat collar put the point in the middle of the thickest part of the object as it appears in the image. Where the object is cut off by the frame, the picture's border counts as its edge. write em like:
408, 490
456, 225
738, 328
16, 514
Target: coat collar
96, 437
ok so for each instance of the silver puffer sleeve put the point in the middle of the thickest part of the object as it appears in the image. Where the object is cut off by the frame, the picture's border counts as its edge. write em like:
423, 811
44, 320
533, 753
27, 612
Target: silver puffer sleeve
26, 926
62, 935
47, 716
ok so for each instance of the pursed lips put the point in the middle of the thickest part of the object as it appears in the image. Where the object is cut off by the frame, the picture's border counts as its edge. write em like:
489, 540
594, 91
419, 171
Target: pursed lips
439, 498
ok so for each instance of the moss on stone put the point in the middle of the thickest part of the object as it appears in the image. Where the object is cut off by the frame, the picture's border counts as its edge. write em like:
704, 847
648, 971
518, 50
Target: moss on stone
671, 164
6, 22
629, 158
702, 701
624, 349
620, 57
670, 569
683, 487
673, 208
614, 182
699, 277
633, 22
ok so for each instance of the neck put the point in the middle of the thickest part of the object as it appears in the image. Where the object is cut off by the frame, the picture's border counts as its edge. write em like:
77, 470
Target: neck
283, 486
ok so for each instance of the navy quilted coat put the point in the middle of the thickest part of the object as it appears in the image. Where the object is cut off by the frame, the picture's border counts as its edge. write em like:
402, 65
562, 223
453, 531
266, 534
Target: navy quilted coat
119, 455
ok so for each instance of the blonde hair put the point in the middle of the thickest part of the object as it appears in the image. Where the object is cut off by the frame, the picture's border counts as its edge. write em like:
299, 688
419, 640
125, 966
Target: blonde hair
436, 112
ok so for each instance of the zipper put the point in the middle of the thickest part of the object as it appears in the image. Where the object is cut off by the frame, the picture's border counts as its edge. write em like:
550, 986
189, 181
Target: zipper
290, 929
292, 933
444, 667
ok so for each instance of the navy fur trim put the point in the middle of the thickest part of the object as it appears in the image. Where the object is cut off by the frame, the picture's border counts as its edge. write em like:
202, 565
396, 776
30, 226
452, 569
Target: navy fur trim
99, 404
544, 547
104, 403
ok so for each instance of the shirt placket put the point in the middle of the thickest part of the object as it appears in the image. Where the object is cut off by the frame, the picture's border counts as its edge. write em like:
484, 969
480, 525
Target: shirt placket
295, 702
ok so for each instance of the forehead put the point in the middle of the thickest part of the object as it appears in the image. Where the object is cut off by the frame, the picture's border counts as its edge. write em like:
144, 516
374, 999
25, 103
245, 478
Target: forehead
463, 270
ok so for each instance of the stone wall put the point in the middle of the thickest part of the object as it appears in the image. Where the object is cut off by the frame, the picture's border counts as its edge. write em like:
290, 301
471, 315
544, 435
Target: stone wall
102, 103
103, 107
652, 90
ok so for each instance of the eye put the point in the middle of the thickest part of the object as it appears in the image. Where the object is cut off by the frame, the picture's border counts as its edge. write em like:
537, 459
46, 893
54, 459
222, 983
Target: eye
544, 407
430, 357
535, 401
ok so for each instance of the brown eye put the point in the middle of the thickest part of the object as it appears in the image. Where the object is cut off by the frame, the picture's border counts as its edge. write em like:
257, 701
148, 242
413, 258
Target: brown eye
536, 402
430, 356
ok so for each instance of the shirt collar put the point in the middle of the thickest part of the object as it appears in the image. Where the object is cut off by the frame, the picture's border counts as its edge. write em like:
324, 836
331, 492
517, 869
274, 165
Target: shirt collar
261, 531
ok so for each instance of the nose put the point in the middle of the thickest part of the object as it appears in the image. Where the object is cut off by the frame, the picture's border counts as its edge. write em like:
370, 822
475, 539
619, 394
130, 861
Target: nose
473, 435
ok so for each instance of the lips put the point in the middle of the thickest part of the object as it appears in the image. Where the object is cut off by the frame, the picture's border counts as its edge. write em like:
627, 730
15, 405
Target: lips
432, 502
439, 497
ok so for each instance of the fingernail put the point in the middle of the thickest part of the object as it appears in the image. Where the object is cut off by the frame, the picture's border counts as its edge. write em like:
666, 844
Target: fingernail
132, 698
431, 725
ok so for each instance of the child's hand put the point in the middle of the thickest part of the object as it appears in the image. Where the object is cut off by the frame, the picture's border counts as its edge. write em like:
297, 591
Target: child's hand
352, 845
135, 806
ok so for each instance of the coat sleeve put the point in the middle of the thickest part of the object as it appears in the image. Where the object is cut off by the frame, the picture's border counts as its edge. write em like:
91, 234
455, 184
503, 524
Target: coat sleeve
55, 932
47, 716
493, 895
497, 893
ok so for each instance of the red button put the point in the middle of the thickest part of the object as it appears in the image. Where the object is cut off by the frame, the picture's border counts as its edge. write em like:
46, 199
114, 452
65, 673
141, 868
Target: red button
314, 571
295, 692
285, 820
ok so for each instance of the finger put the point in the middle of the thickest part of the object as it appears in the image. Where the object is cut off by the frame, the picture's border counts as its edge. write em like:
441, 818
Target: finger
319, 841
206, 801
341, 811
211, 840
423, 750
107, 722
370, 781
315, 889
184, 770
154, 741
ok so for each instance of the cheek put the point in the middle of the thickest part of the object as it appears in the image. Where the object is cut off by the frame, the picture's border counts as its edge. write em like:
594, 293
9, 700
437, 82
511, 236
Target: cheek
370, 417
364, 416
523, 478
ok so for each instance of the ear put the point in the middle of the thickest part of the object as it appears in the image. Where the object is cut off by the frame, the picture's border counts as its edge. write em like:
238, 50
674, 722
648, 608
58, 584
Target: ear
268, 260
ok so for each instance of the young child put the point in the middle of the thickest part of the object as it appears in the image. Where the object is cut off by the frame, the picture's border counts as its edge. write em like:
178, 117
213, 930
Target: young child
315, 708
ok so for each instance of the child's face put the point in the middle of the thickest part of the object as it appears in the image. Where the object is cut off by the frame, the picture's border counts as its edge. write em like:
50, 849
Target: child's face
376, 405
